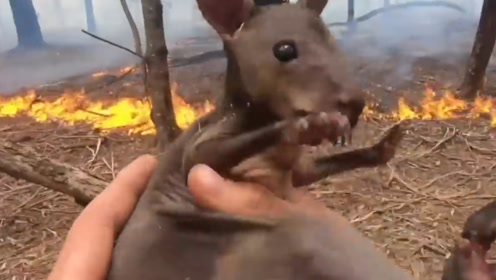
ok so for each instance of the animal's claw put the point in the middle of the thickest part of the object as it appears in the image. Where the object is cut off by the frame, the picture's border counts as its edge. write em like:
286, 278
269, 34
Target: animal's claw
313, 129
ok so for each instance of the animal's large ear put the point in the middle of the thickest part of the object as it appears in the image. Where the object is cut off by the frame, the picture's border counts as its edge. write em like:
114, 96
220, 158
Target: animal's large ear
315, 5
225, 16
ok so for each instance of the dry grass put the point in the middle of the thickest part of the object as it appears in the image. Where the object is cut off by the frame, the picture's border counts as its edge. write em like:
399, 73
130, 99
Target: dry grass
412, 209
34, 220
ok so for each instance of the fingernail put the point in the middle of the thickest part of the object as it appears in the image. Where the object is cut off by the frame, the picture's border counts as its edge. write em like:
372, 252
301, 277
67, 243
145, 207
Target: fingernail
204, 177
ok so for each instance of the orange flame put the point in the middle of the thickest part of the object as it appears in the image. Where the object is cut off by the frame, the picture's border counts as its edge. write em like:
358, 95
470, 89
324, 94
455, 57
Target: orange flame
445, 107
74, 107
120, 72
98, 74
133, 114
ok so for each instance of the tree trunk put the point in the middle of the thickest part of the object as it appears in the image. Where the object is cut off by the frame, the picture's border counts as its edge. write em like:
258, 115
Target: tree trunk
351, 10
157, 82
134, 28
90, 16
22, 162
26, 23
482, 49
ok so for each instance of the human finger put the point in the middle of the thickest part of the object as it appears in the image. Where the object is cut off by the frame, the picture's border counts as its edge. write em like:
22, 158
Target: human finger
121, 196
212, 191
88, 248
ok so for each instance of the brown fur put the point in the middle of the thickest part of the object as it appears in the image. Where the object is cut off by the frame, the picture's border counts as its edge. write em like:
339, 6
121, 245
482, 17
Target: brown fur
480, 227
269, 109
305, 248
467, 261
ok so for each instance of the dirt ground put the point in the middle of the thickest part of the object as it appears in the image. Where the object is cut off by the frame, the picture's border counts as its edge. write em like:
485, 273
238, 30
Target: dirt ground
412, 209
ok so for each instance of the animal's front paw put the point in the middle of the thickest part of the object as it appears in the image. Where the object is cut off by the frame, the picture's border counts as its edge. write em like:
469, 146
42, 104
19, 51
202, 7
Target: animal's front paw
386, 148
313, 129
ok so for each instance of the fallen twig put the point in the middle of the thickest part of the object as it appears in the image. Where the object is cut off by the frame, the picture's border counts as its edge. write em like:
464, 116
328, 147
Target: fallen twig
114, 80
22, 162
481, 150
426, 185
94, 153
82, 144
110, 166
24, 203
447, 137
395, 176
6, 128
95, 113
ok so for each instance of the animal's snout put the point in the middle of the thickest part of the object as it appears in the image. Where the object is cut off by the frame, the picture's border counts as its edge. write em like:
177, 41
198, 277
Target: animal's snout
351, 106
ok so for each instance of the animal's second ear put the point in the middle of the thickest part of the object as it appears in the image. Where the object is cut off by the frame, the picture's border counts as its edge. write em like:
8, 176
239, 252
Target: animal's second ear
315, 5
225, 16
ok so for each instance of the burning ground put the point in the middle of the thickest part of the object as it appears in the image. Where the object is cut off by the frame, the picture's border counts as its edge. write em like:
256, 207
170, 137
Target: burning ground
412, 209
132, 114
128, 114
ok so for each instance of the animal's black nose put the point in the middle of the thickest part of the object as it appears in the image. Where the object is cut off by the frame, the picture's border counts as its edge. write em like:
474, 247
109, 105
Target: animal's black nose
351, 106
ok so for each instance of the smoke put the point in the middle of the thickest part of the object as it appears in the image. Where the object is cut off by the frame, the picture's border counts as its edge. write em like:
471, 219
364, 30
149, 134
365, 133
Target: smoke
75, 53
394, 40
402, 36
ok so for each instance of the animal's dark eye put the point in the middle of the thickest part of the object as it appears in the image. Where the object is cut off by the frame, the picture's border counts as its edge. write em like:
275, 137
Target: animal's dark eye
285, 51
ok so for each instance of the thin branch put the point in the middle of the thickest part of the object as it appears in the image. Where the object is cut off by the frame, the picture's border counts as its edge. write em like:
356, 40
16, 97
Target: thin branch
112, 43
134, 28
399, 7
143, 62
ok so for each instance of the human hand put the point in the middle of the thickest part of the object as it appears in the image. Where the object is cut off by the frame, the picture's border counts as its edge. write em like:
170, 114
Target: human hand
88, 247
214, 192
327, 231
87, 251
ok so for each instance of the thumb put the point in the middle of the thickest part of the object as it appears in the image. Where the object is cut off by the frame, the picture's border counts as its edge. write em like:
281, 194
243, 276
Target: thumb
212, 191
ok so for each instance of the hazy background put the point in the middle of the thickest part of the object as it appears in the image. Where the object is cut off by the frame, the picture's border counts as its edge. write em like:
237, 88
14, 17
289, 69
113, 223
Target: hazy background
432, 31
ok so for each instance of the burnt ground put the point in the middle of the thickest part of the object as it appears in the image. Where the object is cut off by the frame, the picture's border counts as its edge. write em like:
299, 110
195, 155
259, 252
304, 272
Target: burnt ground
412, 209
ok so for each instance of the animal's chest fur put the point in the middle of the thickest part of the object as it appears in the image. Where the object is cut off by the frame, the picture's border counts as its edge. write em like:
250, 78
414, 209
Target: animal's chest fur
271, 168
